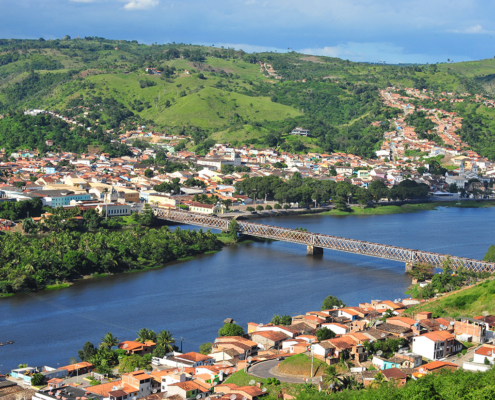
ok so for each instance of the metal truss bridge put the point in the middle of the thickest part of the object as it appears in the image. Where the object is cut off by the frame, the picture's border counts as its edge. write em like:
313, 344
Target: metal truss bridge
316, 242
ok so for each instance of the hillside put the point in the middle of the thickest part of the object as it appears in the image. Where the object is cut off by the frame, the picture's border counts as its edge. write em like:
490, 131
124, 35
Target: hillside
224, 94
483, 71
469, 302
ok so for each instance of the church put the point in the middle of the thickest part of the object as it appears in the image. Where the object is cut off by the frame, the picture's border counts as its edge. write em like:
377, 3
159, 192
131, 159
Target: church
462, 178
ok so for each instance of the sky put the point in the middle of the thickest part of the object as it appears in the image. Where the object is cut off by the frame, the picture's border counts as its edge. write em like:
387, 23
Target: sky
394, 31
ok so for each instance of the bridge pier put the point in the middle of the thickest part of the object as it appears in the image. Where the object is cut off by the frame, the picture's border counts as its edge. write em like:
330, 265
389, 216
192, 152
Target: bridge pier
314, 250
409, 267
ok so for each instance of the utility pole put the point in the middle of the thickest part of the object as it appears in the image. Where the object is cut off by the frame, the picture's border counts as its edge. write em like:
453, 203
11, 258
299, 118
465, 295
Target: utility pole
312, 358
181, 339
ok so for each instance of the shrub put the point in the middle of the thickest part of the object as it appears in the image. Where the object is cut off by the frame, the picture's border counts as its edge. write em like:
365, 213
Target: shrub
277, 206
286, 206
249, 209
268, 207
259, 208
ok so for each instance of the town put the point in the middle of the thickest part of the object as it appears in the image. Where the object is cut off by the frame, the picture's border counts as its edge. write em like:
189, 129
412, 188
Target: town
370, 343
212, 183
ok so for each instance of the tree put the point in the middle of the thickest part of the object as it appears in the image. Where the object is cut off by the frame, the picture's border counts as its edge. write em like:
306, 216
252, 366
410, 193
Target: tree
88, 351
324, 334
268, 207
148, 173
249, 209
108, 341
490, 254
145, 335
231, 330
259, 207
233, 228
133, 362
331, 302
205, 348
28, 225
281, 320
277, 206
453, 188
422, 272
286, 206
165, 339
332, 377
387, 314
159, 351
340, 203
37, 380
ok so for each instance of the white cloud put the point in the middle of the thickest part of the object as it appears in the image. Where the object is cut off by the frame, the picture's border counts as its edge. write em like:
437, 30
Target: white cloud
249, 48
141, 4
82, 1
475, 29
368, 51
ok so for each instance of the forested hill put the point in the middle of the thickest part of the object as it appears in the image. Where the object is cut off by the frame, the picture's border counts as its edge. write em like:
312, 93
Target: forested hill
212, 94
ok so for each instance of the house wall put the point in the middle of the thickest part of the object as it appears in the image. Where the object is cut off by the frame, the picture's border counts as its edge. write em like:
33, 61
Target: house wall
424, 347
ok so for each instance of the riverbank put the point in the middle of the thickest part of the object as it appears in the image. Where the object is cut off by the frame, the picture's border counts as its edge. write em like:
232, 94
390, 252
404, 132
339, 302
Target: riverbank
110, 253
377, 209
380, 209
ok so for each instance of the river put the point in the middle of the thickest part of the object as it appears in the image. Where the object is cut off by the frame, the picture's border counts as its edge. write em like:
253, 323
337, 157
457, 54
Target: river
247, 282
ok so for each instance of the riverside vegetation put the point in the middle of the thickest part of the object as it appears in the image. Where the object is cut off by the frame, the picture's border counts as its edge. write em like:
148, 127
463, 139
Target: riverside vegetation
32, 263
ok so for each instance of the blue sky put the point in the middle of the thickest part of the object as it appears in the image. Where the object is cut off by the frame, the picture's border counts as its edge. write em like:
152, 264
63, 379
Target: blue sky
360, 30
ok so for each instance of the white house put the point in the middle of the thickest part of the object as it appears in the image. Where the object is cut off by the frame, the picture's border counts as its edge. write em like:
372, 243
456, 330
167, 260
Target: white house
178, 360
323, 349
338, 329
204, 208
486, 351
171, 379
115, 210
436, 345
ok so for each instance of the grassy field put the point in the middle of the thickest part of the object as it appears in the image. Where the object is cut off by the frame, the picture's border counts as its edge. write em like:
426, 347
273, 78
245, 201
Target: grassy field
194, 101
57, 286
300, 365
471, 68
469, 303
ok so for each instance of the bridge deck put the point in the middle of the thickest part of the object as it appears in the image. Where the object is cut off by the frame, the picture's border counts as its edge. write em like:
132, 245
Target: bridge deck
408, 256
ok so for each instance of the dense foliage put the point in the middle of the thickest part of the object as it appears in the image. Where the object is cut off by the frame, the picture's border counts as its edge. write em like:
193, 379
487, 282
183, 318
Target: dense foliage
21, 131
32, 263
308, 190
330, 302
447, 281
21, 209
444, 385
231, 330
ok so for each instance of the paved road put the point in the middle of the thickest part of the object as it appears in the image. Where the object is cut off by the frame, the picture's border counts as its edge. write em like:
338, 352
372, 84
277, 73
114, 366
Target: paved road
266, 370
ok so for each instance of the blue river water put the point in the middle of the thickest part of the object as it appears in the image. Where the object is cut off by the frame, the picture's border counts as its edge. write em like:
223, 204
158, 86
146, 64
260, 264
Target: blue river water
247, 282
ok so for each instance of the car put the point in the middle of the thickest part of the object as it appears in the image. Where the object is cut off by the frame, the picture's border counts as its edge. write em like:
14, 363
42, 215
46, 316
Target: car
254, 212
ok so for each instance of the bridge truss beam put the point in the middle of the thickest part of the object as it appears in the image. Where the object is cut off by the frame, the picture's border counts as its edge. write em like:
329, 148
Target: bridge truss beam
320, 241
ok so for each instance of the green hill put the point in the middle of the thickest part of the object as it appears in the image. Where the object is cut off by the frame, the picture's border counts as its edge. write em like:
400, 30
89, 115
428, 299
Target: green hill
483, 71
469, 302
223, 95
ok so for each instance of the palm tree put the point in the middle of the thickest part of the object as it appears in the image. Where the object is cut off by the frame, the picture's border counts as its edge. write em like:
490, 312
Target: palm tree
109, 340
165, 339
145, 335
379, 378
332, 377
349, 383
